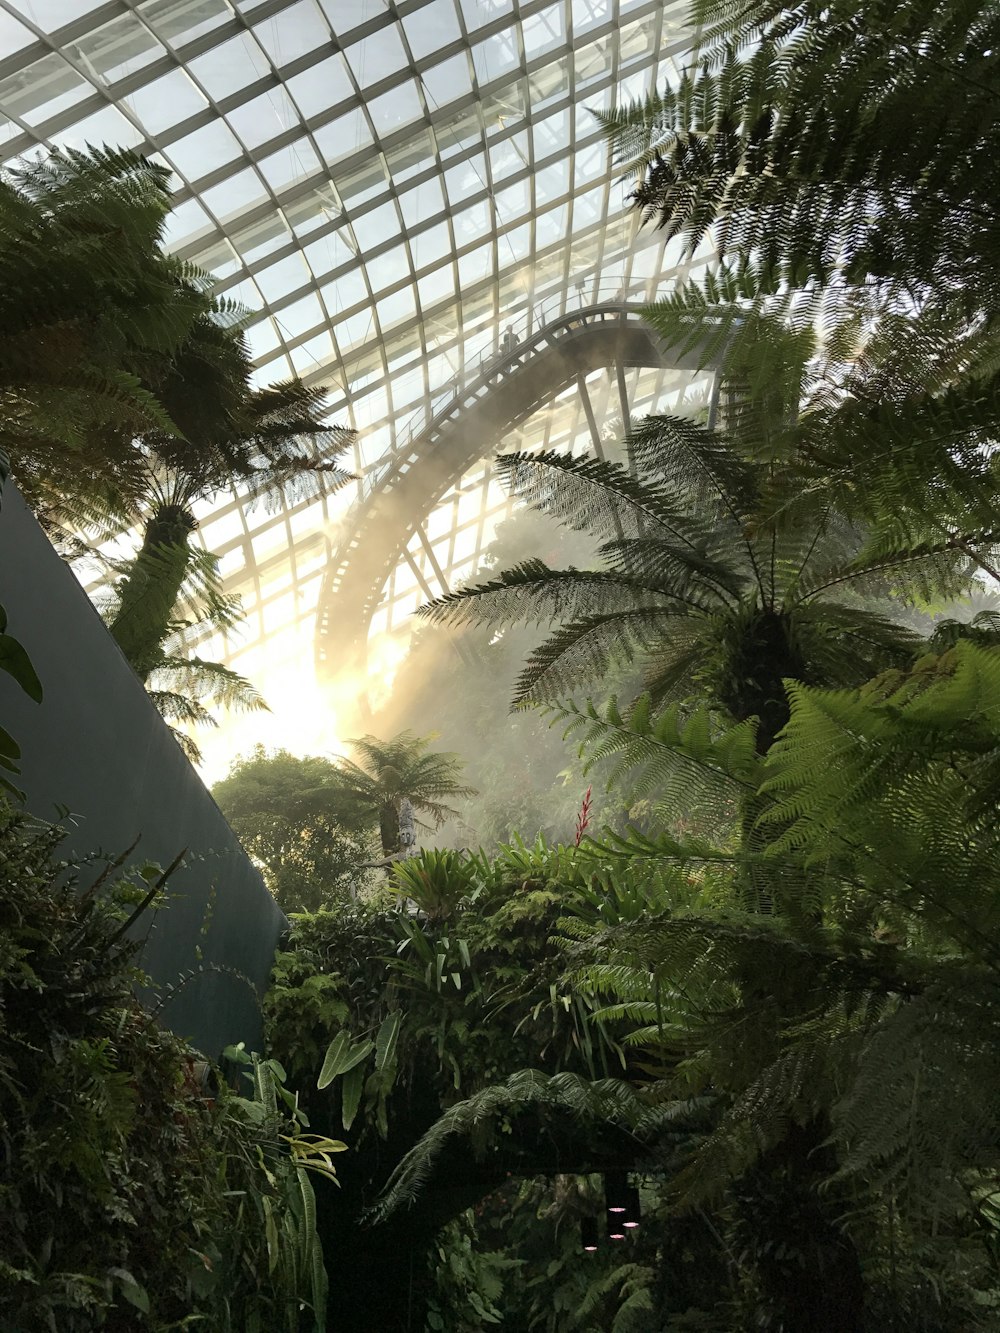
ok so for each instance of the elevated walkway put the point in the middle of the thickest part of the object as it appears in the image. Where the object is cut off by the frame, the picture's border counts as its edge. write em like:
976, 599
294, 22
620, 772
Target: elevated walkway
469, 423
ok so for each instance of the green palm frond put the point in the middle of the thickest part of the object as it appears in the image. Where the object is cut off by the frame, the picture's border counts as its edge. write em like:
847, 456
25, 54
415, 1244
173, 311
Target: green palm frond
681, 758
534, 593
586, 649
211, 682
606, 1101
829, 139
594, 495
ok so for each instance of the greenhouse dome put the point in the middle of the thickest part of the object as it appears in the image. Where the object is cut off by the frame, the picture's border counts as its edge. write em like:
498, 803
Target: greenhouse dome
390, 189
499, 666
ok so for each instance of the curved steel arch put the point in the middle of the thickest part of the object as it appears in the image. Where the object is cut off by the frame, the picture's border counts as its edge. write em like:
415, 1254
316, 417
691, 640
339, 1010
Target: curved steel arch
400, 493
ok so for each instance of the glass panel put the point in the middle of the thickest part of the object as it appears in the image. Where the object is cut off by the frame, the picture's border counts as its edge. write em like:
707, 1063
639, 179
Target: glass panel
45, 88
184, 222
261, 238
235, 194
328, 253
386, 269
179, 23
321, 86
166, 102
363, 184
432, 28
437, 287
466, 178
406, 159
634, 42
345, 15
516, 242
395, 109
495, 56
50, 15
297, 162
117, 48
513, 201
300, 317
263, 118
544, 32
430, 245
590, 162
381, 224
292, 33
551, 134
343, 137
508, 156
421, 204
396, 307
106, 126
587, 208
477, 13
547, 84
550, 226
347, 291
475, 266
552, 182
235, 64
588, 13
473, 221
204, 151
448, 81
13, 35
287, 275
377, 57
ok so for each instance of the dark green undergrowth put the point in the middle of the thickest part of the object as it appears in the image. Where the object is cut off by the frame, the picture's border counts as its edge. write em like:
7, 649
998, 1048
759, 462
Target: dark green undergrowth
137, 1191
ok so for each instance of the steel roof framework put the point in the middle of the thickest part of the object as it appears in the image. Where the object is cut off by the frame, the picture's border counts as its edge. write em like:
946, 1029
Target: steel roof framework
389, 184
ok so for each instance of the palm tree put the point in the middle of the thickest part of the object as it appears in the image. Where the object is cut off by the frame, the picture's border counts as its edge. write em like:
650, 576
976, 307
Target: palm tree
391, 774
87, 296
724, 566
182, 685
232, 435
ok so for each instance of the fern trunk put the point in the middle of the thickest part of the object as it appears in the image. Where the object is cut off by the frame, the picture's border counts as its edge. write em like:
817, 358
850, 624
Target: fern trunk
804, 1268
150, 590
761, 658
388, 827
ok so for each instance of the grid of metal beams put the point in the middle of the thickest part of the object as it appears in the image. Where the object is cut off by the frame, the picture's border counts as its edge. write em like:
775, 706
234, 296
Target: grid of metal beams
389, 184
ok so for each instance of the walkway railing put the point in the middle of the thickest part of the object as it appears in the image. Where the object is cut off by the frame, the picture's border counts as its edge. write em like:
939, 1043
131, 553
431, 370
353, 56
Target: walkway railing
597, 300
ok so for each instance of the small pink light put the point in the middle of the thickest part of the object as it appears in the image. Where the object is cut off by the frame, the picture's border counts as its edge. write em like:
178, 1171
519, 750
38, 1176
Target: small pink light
616, 1208
590, 1248
616, 1235
631, 1224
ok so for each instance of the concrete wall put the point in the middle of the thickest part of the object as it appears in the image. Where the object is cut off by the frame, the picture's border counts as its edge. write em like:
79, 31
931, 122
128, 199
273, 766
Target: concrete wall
97, 746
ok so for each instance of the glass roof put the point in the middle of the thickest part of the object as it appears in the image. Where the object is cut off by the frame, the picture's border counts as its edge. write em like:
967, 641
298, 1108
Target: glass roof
390, 186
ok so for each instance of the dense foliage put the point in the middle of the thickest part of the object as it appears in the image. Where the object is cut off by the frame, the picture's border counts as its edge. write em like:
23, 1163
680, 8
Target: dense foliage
301, 824
137, 1189
833, 140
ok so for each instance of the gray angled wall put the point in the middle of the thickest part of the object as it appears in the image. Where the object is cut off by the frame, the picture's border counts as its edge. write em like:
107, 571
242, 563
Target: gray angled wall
97, 746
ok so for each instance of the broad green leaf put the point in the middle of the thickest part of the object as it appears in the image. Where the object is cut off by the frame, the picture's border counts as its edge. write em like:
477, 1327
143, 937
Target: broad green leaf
16, 662
342, 1055
385, 1042
134, 1292
350, 1095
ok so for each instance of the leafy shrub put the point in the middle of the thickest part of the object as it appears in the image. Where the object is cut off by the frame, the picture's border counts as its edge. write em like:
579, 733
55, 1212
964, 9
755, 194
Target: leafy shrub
136, 1190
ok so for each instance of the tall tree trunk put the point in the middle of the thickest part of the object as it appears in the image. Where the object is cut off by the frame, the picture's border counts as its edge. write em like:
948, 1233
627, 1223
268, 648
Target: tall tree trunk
388, 827
805, 1264
150, 589
407, 828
